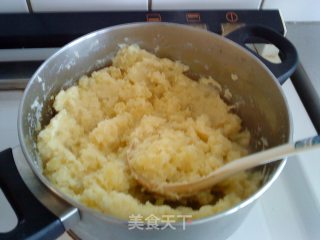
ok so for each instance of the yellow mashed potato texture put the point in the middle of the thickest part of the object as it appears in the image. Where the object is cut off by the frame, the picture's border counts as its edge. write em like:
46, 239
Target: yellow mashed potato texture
180, 129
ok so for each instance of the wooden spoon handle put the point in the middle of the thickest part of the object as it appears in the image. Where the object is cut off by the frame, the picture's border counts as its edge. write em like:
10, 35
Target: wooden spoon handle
253, 160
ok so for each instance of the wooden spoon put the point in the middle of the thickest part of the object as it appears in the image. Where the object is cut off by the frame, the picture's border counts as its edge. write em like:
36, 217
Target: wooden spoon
183, 189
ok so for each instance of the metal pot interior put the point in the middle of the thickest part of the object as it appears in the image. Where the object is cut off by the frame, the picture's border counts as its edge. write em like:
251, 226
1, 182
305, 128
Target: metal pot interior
257, 95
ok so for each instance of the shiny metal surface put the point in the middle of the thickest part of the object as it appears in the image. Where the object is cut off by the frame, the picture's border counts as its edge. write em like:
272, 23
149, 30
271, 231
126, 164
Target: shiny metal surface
257, 96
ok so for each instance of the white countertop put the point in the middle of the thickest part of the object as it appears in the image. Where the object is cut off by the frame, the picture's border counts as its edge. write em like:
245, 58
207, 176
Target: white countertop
306, 37
290, 209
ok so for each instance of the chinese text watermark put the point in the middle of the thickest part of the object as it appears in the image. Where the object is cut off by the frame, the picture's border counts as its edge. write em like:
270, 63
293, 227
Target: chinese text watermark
153, 222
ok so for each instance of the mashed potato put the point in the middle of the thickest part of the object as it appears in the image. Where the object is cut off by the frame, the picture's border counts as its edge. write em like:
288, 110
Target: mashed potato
180, 129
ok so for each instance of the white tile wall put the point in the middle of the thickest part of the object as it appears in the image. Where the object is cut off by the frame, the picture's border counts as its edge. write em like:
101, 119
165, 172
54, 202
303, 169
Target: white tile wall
87, 5
13, 6
296, 10
204, 4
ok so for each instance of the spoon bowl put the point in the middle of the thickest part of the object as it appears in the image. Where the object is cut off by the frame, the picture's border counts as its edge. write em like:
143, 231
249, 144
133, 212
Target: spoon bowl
188, 188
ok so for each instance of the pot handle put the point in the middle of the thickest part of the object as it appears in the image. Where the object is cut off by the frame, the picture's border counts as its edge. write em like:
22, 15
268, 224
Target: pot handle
287, 51
34, 220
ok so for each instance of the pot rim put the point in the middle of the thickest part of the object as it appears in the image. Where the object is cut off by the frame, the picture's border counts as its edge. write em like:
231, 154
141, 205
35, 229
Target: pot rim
110, 218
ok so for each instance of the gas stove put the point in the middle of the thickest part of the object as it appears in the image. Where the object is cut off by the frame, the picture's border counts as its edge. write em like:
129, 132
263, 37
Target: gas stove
290, 209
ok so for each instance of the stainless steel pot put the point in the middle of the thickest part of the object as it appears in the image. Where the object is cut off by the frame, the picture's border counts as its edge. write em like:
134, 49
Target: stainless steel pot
260, 100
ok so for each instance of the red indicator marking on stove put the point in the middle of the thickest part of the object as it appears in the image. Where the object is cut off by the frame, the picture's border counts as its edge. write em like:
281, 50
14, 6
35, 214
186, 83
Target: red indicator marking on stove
153, 17
193, 17
232, 17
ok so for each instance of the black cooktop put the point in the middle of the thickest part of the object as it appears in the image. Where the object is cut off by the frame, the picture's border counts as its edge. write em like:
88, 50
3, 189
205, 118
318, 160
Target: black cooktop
39, 30
52, 30
47, 30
